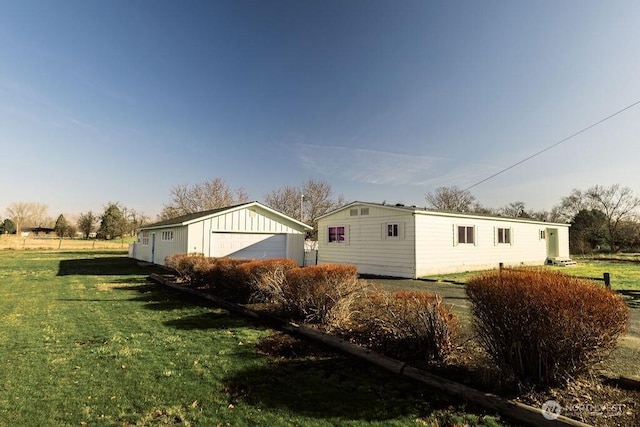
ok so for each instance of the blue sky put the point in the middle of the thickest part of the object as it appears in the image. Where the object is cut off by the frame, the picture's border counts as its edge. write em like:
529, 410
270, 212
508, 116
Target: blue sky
385, 100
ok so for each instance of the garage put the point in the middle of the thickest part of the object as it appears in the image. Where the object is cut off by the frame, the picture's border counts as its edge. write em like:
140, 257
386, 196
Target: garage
248, 231
248, 245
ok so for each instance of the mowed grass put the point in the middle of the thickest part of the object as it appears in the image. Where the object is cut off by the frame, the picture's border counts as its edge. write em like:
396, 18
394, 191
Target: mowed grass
86, 340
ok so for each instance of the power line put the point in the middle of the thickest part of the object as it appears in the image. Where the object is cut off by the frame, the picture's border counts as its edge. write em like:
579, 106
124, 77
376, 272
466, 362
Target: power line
553, 145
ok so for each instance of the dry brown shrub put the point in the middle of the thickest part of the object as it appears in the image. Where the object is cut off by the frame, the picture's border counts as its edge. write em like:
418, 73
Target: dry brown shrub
189, 267
407, 325
267, 278
320, 294
544, 327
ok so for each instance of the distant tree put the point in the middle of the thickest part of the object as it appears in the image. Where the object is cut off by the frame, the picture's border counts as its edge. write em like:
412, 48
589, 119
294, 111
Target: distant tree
451, 199
288, 200
307, 202
25, 214
8, 227
570, 205
62, 227
587, 231
71, 230
87, 223
619, 204
133, 220
212, 194
112, 223
514, 210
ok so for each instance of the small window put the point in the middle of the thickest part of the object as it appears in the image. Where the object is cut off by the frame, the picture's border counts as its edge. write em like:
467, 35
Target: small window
364, 211
336, 234
543, 234
145, 238
504, 235
392, 230
353, 212
167, 236
466, 234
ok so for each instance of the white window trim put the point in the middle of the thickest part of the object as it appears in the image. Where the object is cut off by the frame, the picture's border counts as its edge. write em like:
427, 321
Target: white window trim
145, 238
456, 235
497, 236
346, 235
167, 236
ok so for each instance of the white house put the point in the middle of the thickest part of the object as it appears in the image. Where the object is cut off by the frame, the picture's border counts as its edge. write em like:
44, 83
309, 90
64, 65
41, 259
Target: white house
403, 241
248, 231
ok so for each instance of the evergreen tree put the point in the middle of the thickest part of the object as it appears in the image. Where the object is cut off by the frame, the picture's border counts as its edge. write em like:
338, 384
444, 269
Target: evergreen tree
112, 222
62, 227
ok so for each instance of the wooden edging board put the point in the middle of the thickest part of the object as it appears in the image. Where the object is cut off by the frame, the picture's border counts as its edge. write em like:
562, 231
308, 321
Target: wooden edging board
509, 408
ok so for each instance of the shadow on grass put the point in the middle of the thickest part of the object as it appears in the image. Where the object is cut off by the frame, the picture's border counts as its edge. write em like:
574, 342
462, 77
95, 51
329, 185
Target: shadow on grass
632, 298
212, 320
104, 266
335, 388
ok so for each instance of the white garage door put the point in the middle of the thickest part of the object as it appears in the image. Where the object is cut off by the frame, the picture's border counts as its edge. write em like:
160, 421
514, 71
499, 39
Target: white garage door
248, 246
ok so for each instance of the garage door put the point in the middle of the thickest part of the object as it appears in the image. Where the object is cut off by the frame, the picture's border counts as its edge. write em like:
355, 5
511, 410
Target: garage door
248, 246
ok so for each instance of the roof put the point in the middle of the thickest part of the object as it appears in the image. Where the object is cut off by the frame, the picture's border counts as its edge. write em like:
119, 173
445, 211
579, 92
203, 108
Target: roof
425, 211
196, 216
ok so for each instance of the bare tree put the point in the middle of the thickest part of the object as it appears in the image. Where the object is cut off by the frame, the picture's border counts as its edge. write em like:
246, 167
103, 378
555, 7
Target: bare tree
514, 210
212, 194
87, 223
288, 200
619, 204
570, 205
25, 214
307, 202
451, 199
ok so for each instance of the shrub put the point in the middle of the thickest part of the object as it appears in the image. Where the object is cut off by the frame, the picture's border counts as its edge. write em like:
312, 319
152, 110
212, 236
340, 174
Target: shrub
319, 294
189, 267
544, 327
410, 326
267, 278
226, 280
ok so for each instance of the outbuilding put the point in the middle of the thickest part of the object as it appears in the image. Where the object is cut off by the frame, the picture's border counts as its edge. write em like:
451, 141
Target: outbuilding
245, 231
413, 242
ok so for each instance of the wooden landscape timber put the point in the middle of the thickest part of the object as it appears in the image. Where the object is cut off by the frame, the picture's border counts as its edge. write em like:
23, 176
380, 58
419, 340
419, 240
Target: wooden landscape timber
508, 408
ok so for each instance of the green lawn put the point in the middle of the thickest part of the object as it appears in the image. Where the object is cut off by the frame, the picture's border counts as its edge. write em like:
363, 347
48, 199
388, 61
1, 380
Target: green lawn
86, 340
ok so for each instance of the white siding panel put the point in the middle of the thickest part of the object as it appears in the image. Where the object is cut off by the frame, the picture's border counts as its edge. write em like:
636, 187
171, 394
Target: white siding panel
437, 255
367, 247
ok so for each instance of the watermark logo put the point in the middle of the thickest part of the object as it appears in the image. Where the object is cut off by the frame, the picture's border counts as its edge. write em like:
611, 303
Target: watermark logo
551, 410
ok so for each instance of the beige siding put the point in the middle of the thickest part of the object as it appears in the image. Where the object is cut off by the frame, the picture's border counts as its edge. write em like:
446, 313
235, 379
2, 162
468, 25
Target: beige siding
367, 246
439, 252
295, 248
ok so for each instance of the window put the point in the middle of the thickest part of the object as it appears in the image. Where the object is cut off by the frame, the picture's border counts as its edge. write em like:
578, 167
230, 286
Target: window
466, 234
504, 235
543, 234
353, 212
336, 234
364, 211
392, 230
167, 236
145, 238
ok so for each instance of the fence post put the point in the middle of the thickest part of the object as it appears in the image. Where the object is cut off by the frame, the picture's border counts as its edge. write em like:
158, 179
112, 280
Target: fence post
501, 266
607, 280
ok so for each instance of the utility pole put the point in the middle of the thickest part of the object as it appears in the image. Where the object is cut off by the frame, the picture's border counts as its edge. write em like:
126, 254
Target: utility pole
301, 202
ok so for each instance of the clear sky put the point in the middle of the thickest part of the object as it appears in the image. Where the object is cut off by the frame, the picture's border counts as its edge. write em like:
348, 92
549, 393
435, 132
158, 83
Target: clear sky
386, 100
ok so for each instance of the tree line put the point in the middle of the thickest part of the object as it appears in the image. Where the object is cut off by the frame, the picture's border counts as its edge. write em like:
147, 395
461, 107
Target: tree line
602, 218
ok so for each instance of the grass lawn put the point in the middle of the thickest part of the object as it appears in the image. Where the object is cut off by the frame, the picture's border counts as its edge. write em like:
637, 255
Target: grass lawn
86, 340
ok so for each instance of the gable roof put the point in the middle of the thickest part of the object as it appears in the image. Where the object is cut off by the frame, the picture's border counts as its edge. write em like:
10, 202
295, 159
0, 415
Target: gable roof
435, 212
197, 216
